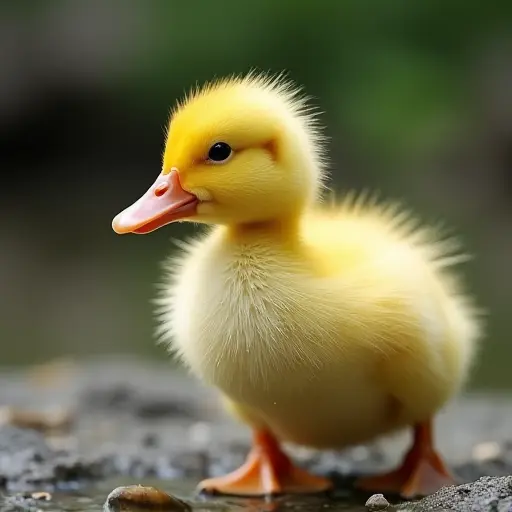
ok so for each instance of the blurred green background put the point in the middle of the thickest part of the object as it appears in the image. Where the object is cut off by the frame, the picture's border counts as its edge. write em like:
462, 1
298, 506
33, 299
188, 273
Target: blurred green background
417, 99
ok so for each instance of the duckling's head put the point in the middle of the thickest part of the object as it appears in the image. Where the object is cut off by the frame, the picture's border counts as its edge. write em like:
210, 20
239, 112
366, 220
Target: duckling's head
239, 151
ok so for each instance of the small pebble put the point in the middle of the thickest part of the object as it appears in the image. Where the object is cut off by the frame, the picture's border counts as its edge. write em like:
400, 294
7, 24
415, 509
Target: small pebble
138, 497
30, 501
41, 496
377, 502
43, 421
483, 452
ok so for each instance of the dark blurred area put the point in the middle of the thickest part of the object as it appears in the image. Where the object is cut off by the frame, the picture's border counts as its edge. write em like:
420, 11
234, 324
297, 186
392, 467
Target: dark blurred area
417, 99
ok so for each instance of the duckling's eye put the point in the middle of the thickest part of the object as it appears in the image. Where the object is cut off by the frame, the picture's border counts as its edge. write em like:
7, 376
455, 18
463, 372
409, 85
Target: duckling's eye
219, 152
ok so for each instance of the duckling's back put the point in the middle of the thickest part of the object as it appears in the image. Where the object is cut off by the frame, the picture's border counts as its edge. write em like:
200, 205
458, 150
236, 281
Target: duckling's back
380, 251
360, 230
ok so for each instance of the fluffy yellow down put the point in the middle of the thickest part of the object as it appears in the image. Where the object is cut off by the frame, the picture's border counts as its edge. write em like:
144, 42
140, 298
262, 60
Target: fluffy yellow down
330, 322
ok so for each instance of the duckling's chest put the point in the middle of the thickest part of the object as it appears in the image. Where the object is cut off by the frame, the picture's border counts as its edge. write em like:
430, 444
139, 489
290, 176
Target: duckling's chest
240, 318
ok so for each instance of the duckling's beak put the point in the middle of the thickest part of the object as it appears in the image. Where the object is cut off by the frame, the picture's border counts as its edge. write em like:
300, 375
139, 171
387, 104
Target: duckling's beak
166, 201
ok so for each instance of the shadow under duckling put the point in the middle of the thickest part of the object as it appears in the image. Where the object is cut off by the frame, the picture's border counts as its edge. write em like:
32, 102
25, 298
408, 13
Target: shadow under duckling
321, 324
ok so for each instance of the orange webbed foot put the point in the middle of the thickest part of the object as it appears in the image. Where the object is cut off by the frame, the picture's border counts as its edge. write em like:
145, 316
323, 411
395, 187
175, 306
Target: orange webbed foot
422, 472
267, 471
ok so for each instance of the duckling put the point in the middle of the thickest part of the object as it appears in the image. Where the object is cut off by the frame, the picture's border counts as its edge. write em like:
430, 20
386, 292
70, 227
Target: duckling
322, 324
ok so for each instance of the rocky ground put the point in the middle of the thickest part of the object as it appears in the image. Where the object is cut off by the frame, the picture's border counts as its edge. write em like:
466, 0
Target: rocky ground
69, 425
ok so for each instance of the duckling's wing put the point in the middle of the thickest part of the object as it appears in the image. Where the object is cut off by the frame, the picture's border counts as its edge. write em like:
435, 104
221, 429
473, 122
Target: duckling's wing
398, 276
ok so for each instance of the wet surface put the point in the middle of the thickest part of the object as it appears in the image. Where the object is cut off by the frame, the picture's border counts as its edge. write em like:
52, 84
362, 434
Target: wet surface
129, 423
94, 496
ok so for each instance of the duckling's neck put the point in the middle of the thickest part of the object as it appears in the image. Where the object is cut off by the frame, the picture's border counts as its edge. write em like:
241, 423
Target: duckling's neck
285, 230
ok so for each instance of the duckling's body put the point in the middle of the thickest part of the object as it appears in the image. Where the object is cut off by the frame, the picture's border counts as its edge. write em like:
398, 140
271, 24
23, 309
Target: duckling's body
320, 325
306, 339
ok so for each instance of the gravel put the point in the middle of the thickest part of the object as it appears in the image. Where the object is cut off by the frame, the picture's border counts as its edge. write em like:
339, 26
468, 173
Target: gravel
144, 420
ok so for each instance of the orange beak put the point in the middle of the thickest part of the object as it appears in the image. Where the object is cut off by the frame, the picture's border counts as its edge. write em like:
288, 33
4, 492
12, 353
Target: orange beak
163, 203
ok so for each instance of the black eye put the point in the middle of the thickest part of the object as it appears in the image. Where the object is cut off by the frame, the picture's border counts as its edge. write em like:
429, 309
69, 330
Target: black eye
219, 152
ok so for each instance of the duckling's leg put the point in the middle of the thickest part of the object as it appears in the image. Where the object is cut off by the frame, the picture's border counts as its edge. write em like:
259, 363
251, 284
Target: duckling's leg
422, 471
266, 471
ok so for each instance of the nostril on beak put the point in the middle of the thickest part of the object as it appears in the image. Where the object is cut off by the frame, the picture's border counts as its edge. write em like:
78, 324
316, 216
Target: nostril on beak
161, 189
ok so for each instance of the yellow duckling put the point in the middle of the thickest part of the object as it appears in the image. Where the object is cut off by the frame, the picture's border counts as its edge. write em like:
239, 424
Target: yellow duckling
321, 325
